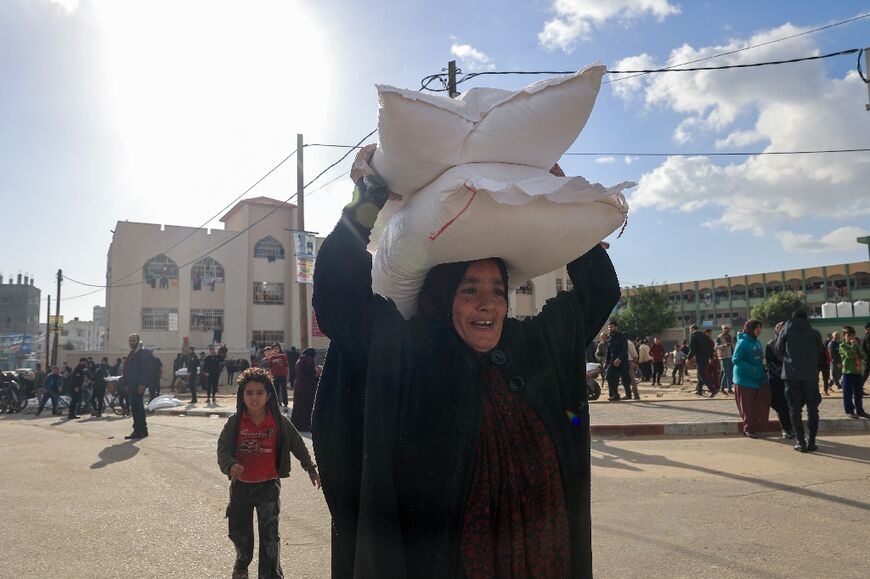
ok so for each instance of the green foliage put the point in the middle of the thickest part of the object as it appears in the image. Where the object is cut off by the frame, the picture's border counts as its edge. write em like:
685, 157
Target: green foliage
69, 346
647, 313
779, 308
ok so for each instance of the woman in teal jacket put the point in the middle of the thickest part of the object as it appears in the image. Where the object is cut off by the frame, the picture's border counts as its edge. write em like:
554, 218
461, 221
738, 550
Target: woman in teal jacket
751, 391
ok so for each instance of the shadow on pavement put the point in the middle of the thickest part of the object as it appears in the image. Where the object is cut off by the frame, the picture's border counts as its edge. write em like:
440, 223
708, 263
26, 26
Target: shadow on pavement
117, 453
613, 454
837, 450
680, 405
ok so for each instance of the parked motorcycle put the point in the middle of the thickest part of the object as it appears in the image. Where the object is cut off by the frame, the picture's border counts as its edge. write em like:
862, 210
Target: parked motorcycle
12, 395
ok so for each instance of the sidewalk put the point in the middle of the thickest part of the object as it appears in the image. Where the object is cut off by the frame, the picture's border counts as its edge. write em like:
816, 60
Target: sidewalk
661, 412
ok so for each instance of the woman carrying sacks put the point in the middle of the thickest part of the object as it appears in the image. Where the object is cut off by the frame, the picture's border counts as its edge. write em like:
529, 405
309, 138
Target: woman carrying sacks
456, 443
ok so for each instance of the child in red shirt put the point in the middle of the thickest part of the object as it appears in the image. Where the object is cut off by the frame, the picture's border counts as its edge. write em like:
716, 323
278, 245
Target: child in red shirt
254, 451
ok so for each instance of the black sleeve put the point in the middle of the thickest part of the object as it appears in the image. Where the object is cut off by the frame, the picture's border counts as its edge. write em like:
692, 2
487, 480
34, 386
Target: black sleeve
578, 315
343, 299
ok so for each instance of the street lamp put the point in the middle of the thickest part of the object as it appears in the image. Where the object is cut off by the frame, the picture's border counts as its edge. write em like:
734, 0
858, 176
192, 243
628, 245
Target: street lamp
866, 241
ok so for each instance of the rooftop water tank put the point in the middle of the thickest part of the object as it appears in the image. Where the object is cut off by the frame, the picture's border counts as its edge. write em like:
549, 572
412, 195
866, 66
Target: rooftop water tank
844, 309
861, 309
829, 310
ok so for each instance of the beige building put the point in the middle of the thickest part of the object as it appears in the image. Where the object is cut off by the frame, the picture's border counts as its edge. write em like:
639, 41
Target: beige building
240, 280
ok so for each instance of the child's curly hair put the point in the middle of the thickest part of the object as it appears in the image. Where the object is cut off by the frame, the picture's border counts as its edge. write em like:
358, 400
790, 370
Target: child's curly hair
254, 375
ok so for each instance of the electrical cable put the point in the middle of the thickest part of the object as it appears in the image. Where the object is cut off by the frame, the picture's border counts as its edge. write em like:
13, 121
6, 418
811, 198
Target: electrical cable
716, 154
429, 79
672, 68
193, 231
860, 70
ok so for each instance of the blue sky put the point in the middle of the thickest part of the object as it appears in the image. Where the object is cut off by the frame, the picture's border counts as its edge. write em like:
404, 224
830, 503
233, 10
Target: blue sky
164, 111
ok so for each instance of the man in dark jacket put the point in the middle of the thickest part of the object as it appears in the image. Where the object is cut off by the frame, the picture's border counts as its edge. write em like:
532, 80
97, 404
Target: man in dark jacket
616, 363
836, 363
800, 346
701, 349
138, 374
76, 382
191, 362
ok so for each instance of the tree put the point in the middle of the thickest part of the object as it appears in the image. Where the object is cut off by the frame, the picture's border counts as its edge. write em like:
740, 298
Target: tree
779, 308
647, 313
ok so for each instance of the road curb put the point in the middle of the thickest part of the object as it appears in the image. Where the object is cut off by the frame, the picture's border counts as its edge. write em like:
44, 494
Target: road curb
720, 428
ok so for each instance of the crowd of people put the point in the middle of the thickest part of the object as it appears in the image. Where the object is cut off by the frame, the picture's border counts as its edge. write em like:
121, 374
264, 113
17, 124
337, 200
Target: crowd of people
782, 375
191, 371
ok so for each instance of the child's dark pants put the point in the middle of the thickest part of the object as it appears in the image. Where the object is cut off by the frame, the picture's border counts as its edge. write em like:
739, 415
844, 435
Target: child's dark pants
266, 498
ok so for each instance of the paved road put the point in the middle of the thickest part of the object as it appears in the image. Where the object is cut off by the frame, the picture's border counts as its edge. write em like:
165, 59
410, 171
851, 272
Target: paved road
79, 501
648, 410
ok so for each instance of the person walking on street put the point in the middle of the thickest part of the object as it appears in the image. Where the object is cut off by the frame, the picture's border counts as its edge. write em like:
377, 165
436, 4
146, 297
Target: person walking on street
724, 351
825, 366
98, 394
601, 349
778, 402
292, 358
865, 346
191, 362
278, 366
800, 346
633, 369
751, 391
836, 361
854, 359
657, 352
304, 390
211, 367
138, 374
679, 365
156, 375
51, 390
644, 361
616, 362
76, 383
701, 349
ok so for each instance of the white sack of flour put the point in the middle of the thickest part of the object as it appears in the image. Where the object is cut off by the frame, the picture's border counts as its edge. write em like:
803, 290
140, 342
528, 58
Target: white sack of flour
533, 220
422, 135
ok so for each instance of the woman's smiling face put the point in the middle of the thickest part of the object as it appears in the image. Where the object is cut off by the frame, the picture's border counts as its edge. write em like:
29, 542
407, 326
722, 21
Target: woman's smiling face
480, 305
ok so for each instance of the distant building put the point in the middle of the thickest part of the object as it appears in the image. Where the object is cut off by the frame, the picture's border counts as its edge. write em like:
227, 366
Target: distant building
713, 302
101, 324
19, 319
241, 282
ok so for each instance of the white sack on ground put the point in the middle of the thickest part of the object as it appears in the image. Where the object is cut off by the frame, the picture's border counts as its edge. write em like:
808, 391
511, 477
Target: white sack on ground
163, 401
533, 220
422, 135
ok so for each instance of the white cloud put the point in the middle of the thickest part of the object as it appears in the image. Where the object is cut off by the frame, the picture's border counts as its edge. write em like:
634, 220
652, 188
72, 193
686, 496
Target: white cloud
629, 159
471, 58
779, 108
605, 160
69, 6
841, 239
575, 19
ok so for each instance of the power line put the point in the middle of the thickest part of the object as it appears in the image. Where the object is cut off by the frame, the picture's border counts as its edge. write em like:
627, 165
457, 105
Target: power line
193, 231
426, 81
670, 154
715, 154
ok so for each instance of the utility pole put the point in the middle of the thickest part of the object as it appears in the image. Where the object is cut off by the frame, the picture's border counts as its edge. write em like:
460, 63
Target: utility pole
56, 318
451, 79
867, 68
300, 226
47, 369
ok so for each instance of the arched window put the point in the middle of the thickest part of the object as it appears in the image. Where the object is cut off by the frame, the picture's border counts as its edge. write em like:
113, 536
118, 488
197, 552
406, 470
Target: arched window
160, 271
206, 272
270, 248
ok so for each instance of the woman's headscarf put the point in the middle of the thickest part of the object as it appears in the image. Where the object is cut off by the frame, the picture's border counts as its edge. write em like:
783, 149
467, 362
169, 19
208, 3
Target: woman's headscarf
750, 325
309, 352
436, 297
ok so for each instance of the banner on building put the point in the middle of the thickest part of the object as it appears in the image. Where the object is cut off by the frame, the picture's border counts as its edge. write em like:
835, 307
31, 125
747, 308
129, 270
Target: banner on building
304, 243
173, 322
16, 344
305, 270
55, 324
